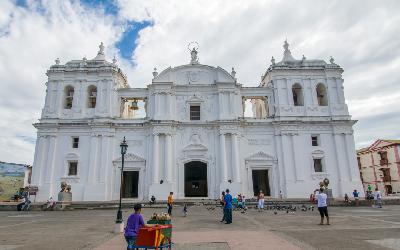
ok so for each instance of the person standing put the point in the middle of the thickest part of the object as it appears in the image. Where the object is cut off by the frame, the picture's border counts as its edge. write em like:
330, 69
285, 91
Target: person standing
222, 202
260, 201
378, 198
346, 199
228, 207
322, 205
356, 195
170, 202
134, 223
185, 210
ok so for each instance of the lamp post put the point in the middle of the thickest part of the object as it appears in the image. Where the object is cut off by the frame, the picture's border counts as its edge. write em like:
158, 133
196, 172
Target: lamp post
119, 225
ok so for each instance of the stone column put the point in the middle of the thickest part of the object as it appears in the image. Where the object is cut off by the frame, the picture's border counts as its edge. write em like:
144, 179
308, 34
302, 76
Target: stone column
168, 161
287, 149
235, 158
351, 157
43, 159
91, 173
222, 155
50, 159
38, 159
105, 142
221, 105
155, 158
340, 162
60, 99
156, 108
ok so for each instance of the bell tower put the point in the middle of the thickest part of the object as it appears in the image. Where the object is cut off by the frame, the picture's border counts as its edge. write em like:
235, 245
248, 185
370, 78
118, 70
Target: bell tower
83, 88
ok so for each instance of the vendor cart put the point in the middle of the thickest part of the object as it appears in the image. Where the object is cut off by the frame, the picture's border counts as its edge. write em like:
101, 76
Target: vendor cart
154, 237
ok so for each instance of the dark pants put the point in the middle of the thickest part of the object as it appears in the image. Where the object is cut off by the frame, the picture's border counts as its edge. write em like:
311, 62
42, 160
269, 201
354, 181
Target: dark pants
131, 240
228, 215
169, 209
224, 214
323, 211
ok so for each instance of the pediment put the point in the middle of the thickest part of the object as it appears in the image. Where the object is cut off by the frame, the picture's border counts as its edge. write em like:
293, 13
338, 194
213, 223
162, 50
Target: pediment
71, 156
317, 152
194, 99
130, 158
195, 147
260, 155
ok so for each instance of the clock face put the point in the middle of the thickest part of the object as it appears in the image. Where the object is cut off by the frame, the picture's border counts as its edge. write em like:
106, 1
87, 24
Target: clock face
193, 76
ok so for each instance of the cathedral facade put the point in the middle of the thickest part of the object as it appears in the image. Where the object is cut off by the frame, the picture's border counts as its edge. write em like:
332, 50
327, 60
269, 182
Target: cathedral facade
195, 131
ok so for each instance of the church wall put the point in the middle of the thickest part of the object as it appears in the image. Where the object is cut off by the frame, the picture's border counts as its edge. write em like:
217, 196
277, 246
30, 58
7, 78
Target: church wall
160, 144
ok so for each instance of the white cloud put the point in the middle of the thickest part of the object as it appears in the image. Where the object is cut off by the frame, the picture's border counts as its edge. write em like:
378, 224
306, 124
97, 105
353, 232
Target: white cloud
34, 39
363, 36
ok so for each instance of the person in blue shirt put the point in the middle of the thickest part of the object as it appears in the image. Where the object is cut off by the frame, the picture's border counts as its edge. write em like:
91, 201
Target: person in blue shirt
228, 207
356, 197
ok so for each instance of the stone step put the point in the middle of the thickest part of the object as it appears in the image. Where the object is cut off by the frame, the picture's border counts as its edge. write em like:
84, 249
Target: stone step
128, 204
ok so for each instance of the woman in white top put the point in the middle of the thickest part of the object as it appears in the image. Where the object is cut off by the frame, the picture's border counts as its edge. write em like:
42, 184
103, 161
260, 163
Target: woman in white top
322, 205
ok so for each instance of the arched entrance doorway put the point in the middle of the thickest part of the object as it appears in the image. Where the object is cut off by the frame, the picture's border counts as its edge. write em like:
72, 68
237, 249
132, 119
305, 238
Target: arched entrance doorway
196, 179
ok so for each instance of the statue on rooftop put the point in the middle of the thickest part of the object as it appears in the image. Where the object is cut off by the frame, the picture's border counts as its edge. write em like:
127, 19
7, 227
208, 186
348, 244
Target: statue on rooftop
193, 48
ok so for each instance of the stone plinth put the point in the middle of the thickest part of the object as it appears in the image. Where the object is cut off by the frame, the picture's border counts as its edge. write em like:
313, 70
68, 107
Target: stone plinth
64, 199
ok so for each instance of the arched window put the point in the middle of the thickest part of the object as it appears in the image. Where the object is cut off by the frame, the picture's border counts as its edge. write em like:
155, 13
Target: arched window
297, 92
321, 95
92, 96
69, 97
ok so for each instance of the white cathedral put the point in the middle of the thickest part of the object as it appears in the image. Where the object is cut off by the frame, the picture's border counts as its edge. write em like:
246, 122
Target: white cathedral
195, 131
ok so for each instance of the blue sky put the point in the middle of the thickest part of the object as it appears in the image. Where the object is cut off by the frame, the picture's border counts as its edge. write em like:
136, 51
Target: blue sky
362, 35
127, 43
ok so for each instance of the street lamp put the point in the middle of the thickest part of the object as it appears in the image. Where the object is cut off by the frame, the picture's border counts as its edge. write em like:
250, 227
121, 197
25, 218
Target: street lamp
119, 222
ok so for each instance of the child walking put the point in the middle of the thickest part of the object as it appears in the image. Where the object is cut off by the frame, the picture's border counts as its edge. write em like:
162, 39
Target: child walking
184, 210
134, 223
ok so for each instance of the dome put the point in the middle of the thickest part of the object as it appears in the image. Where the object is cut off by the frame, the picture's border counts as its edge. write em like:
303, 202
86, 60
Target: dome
194, 74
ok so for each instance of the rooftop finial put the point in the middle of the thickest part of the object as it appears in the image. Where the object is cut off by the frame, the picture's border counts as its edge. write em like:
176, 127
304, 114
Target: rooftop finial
286, 45
287, 55
273, 61
193, 47
114, 60
233, 73
101, 49
331, 60
100, 55
155, 73
57, 61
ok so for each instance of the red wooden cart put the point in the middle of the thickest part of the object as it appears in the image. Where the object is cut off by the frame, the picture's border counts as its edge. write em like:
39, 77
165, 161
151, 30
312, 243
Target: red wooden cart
154, 237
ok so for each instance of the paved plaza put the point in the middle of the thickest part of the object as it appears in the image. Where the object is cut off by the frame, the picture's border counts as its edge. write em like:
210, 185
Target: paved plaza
352, 228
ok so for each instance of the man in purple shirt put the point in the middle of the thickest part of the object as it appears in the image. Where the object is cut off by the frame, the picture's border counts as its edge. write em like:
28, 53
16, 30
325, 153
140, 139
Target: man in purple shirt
134, 223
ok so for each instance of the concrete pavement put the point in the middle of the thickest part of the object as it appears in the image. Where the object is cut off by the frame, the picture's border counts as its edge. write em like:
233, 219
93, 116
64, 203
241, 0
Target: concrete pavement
352, 228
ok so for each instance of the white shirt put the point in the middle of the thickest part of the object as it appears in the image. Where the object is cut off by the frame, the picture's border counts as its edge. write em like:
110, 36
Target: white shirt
377, 195
321, 197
